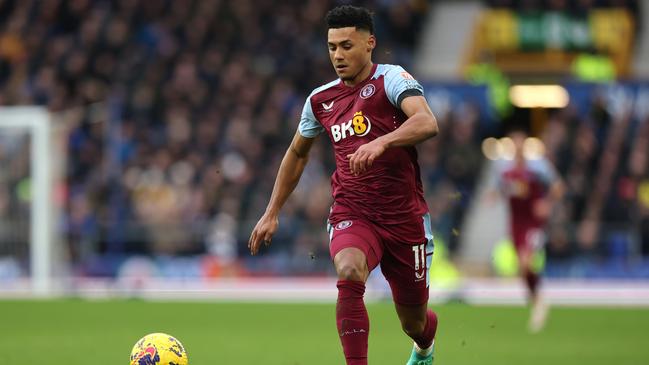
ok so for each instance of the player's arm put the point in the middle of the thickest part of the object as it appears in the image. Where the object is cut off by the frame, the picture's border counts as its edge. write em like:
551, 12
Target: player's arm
557, 190
290, 171
494, 189
420, 126
555, 193
544, 207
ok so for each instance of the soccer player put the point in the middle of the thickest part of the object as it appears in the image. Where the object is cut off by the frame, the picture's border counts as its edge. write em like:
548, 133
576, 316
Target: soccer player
373, 114
532, 188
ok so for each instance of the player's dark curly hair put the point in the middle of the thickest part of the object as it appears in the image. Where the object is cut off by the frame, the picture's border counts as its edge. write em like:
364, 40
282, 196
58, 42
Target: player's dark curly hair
350, 16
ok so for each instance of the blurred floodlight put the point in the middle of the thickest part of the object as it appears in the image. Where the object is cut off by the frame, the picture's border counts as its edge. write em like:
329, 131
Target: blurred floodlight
533, 148
491, 148
508, 148
505, 149
539, 96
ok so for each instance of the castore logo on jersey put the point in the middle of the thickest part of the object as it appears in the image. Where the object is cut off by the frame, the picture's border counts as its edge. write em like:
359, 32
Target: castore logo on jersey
328, 107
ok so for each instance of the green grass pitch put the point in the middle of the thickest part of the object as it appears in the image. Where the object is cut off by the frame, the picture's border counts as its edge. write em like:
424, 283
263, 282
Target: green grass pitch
66, 332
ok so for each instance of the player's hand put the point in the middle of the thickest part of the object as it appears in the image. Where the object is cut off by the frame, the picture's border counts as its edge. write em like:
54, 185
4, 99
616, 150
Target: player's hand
263, 232
364, 157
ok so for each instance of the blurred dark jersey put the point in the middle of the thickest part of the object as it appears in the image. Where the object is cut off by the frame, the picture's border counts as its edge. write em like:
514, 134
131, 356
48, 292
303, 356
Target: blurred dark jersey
390, 192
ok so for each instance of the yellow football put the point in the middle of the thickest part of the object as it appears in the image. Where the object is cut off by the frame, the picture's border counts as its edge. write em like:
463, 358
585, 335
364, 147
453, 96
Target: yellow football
158, 349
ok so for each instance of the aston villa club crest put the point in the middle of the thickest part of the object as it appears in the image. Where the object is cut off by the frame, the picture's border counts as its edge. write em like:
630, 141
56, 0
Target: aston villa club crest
367, 91
343, 225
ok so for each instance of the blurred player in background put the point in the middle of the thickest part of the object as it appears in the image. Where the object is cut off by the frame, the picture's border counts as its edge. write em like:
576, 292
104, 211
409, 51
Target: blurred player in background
532, 188
374, 114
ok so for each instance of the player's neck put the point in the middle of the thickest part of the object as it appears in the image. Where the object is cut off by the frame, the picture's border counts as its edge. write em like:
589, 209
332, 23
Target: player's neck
361, 76
520, 162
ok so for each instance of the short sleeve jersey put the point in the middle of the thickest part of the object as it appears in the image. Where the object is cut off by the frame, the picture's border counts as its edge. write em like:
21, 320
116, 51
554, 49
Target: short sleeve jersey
523, 185
390, 192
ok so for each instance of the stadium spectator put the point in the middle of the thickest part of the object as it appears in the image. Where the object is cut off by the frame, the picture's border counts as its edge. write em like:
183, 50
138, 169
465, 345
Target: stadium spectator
187, 102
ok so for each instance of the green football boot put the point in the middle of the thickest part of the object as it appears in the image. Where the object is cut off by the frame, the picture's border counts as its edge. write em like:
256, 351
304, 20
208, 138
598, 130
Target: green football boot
416, 359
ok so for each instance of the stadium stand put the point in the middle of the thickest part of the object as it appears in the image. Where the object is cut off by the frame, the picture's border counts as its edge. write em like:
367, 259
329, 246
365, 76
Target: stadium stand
204, 96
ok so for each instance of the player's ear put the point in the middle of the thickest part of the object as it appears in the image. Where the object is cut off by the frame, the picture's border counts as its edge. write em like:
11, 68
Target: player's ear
371, 42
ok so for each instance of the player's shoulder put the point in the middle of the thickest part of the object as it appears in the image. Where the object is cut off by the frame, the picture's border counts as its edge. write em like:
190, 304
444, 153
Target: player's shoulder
324, 89
397, 81
538, 163
385, 69
542, 166
503, 165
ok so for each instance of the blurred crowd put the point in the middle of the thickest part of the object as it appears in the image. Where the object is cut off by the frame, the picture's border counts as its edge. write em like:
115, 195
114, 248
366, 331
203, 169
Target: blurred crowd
179, 112
183, 111
603, 158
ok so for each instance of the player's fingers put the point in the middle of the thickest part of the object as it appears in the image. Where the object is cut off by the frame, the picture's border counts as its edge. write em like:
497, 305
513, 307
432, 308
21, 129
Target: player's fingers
370, 160
360, 159
258, 244
367, 161
357, 164
362, 163
255, 244
251, 248
267, 239
352, 160
252, 238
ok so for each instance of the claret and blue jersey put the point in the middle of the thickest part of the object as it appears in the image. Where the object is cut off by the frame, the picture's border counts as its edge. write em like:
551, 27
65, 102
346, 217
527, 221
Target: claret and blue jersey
390, 192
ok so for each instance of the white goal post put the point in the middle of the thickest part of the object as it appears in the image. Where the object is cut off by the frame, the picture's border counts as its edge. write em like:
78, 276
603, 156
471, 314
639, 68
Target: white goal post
36, 122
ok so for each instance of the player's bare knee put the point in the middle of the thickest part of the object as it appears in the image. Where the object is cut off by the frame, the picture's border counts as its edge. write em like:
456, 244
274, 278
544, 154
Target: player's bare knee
351, 271
351, 265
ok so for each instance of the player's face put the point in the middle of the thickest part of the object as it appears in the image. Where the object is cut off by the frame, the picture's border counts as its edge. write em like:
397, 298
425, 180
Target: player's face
350, 51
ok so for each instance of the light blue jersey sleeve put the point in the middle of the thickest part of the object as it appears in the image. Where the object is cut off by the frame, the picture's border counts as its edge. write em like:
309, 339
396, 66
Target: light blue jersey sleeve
495, 179
545, 170
309, 126
396, 82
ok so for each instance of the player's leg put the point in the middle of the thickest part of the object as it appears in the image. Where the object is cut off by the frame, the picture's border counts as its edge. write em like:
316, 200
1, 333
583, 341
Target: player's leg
352, 320
356, 251
351, 264
410, 294
527, 250
529, 276
406, 268
420, 324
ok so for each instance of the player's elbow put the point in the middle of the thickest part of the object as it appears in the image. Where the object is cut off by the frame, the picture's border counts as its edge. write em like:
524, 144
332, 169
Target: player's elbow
432, 127
299, 154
